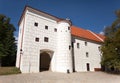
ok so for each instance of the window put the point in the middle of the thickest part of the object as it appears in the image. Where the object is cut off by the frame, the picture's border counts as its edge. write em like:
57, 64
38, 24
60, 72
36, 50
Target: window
46, 27
87, 55
46, 39
99, 48
69, 47
36, 24
55, 29
68, 28
78, 45
85, 43
37, 39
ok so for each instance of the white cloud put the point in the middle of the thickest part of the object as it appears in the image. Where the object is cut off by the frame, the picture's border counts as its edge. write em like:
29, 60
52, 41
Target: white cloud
102, 33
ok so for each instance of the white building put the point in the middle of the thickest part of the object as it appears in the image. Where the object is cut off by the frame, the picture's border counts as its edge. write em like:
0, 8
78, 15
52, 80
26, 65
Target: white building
50, 43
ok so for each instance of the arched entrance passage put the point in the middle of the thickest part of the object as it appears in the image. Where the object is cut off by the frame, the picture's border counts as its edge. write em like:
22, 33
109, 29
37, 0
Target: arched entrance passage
45, 60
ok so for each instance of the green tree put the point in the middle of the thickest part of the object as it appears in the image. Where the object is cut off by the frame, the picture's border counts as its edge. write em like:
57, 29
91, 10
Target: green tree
111, 47
7, 42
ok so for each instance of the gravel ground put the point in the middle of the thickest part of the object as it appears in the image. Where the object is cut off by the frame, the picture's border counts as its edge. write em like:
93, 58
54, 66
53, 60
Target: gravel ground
51, 77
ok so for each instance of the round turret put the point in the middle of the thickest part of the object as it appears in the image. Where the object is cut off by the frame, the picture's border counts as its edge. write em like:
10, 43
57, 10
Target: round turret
64, 56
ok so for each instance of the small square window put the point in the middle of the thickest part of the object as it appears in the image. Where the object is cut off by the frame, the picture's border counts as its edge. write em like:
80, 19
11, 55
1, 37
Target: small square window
78, 45
36, 24
37, 39
46, 39
55, 29
87, 55
85, 43
46, 27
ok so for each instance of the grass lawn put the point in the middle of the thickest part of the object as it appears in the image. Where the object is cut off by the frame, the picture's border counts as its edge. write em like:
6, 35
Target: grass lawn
9, 70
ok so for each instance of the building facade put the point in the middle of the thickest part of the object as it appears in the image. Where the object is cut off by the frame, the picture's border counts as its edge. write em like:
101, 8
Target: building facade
47, 42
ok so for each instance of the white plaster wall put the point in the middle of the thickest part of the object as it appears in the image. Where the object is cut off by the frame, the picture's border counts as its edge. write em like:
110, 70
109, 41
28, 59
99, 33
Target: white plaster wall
31, 48
80, 55
63, 58
19, 44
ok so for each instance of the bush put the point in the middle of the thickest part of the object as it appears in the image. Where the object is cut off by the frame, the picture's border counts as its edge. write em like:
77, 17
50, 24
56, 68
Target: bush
111, 70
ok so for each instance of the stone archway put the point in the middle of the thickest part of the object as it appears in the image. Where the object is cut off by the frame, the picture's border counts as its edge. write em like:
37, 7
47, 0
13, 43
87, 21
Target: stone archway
45, 60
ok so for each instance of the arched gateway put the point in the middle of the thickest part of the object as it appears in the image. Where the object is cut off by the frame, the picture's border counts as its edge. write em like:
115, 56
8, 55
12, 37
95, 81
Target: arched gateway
45, 60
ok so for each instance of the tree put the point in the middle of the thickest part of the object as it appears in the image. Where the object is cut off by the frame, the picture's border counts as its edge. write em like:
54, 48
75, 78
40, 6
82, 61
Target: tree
111, 47
7, 41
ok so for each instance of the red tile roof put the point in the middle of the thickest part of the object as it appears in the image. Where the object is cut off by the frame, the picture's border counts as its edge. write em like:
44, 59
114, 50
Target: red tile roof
101, 36
79, 32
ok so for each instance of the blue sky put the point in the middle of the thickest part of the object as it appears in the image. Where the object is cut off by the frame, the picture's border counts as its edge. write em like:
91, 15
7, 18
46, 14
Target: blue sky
87, 14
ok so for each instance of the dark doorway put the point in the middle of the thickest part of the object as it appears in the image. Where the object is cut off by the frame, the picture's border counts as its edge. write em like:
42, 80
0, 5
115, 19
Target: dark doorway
45, 60
88, 66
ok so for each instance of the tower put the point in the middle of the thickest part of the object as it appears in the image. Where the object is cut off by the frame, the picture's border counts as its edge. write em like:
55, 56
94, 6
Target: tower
64, 55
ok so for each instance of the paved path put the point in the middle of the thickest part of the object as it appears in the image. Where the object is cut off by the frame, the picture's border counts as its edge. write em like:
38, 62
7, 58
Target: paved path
50, 77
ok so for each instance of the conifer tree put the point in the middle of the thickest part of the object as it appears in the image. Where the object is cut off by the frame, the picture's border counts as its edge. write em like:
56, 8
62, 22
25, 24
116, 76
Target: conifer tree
7, 42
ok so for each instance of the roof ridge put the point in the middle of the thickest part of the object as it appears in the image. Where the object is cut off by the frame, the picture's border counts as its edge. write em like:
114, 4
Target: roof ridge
96, 36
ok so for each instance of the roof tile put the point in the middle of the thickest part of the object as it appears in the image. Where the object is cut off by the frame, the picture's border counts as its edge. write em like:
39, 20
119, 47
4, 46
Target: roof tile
79, 32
